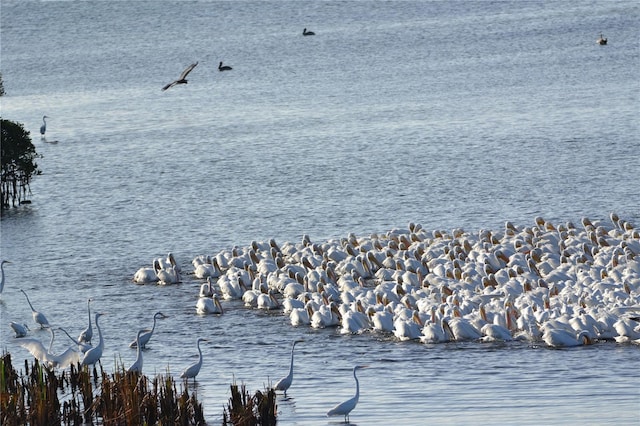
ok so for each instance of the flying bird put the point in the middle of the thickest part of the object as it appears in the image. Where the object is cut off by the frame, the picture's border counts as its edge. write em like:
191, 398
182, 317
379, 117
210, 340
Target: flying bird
183, 77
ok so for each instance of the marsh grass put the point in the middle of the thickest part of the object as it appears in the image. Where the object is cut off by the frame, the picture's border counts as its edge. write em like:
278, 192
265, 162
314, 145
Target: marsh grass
88, 395
246, 410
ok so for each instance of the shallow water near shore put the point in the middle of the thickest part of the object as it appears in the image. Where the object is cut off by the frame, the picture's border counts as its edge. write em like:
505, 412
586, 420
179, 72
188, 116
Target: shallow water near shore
445, 114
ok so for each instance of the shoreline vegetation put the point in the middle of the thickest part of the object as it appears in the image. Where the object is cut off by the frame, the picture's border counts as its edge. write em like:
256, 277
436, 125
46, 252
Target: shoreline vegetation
89, 395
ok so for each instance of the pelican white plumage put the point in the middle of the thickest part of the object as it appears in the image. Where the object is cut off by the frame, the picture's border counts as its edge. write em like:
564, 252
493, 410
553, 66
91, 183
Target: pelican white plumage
382, 320
344, 408
2, 273
19, 329
49, 359
206, 289
267, 301
87, 333
38, 317
209, 305
146, 336
326, 316
284, 383
408, 329
137, 364
146, 275
561, 338
93, 355
183, 77
193, 370
167, 274
43, 128
301, 316
495, 332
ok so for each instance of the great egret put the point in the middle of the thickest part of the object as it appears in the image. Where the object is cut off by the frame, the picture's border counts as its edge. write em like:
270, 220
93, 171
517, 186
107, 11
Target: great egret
183, 77
144, 339
137, 364
49, 359
284, 383
193, 370
87, 334
224, 67
19, 329
43, 128
2, 270
344, 408
38, 317
93, 355
307, 33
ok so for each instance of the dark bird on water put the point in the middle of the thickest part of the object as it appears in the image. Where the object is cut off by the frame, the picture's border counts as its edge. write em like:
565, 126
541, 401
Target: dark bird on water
43, 128
601, 41
183, 77
306, 33
224, 67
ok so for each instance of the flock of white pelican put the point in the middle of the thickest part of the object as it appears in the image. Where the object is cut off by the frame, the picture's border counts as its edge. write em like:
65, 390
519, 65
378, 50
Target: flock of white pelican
555, 284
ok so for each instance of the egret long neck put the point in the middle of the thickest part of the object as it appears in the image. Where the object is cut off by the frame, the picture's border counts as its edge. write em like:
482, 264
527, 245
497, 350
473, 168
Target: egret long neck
291, 366
357, 385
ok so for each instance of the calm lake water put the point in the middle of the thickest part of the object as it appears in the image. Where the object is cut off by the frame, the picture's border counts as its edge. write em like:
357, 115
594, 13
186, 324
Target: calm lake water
448, 114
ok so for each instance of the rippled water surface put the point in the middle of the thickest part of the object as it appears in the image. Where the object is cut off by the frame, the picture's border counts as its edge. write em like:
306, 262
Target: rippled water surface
448, 114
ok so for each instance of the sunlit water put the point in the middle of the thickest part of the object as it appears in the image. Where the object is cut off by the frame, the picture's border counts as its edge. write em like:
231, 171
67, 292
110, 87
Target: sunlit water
449, 114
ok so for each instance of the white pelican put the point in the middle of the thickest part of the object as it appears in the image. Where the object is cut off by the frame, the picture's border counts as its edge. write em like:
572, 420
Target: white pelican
462, 329
167, 274
206, 289
2, 272
137, 364
146, 336
495, 332
301, 316
344, 408
49, 359
87, 333
408, 329
354, 322
93, 355
326, 316
146, 275
224, 67
209, 305
382, 320
193, 370
560, 338
267, 301
38, 317
284, 383
19, 329
183, 77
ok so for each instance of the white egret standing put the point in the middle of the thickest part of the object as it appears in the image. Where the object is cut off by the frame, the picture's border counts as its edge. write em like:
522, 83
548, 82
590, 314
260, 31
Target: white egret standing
284, 383
19, 329
2, 271
137, 364
194, 369
144, 339
344, 408
38, 317
43, 128
87, 334
93, 355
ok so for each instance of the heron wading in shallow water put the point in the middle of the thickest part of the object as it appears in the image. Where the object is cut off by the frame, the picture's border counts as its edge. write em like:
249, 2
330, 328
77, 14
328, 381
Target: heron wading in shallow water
344, 408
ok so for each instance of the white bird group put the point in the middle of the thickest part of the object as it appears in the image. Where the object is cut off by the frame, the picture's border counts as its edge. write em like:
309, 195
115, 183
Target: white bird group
518, 283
